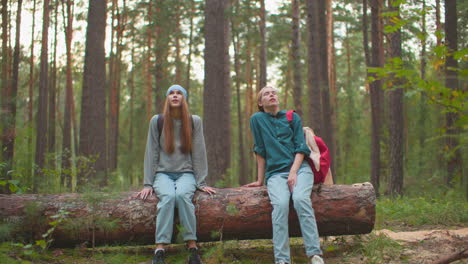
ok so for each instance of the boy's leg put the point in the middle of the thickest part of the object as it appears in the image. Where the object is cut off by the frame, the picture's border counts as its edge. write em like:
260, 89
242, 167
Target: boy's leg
305, 212
164, 187
279, 194
185, 188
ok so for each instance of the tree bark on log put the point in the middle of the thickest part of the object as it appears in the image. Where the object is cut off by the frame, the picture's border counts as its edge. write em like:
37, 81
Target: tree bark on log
232, 213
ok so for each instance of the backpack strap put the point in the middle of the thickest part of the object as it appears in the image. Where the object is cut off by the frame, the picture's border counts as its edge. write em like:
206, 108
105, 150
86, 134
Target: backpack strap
289, 117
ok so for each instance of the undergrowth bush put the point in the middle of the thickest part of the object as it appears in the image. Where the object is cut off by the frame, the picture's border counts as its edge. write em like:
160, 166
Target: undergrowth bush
448, 209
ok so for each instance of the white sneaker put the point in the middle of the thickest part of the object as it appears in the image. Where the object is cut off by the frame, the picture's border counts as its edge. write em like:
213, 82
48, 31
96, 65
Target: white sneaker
316, 260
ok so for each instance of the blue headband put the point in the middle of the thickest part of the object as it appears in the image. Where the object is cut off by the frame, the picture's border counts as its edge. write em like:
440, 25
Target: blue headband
177, 87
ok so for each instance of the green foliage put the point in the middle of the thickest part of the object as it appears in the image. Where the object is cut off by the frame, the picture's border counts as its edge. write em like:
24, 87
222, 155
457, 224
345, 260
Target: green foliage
434, 90
92, 222
216, 254
215, 234
119, 258
36, 249
13, 185
5, 230
424, 153
377, 249
180, 234
449, 210
58, 218
231, 209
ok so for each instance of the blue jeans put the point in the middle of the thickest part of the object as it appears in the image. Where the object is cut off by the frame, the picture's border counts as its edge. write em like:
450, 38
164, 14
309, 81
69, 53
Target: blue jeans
175, 190
279, 194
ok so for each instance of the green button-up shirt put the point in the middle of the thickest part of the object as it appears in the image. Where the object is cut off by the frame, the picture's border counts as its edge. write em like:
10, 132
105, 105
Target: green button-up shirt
278, 141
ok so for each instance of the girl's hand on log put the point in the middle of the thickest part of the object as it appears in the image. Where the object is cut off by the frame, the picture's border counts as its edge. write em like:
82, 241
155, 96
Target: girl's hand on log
254, 184
292, 179
208, 190
145, 193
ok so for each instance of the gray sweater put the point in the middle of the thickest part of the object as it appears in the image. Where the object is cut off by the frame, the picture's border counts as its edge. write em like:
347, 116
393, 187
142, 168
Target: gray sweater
157, 160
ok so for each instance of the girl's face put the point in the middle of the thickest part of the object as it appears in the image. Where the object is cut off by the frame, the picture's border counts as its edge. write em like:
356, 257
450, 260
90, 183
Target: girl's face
175, 98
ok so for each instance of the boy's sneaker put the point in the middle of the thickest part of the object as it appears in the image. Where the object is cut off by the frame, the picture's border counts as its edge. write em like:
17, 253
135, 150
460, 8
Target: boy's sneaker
194, 257
158, 257
316, 260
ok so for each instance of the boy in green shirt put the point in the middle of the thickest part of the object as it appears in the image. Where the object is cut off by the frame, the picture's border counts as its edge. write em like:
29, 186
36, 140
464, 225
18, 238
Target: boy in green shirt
280, 149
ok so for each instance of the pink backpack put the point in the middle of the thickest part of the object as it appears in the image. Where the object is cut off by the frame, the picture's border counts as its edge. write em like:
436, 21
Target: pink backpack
321, 164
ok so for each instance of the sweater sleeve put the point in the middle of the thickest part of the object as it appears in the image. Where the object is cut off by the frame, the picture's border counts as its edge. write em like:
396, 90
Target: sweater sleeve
199, 160
151, 153
299, 141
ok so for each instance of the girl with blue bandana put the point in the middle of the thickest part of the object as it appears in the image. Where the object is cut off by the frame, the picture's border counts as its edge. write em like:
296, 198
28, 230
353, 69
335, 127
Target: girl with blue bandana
175, 167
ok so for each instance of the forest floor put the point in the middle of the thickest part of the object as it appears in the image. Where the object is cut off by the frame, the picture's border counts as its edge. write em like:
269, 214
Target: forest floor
423, 244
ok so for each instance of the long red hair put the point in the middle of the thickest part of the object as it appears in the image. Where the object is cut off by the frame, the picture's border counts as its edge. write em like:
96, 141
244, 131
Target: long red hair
168, 128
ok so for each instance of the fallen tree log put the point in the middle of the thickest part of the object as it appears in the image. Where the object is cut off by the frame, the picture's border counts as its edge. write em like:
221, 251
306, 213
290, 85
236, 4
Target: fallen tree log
232, 213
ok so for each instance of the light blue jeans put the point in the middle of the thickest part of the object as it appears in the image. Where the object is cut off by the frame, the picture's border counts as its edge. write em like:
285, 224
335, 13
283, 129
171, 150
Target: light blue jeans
175, 190
279, 194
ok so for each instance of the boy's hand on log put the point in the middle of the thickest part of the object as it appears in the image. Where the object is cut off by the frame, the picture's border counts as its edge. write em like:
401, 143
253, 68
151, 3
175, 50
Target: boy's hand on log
254, 184
145, 193
208, 190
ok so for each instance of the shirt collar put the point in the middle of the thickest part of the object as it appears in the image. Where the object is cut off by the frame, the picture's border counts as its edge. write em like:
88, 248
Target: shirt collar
279, 114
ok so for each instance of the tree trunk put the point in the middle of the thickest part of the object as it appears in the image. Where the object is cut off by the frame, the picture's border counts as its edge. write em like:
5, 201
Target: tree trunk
31, 88
332, 88
5, 89
296, 56
147, 64
66, 179
51, 138
114, 91
263, 49
288, 81
396, 145
243, 172
217, 90
190, 47
249, 96
438, 23
313, 66
5, 117
9, 101
376, 92
163, 27
131, 85
231, 213
365, 33
41, 138
423, 109
454, 162
350, 123
93, 105
328, 133
177, 36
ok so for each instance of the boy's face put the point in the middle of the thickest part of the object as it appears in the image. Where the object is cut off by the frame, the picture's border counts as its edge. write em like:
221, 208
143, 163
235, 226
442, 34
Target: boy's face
269, 97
